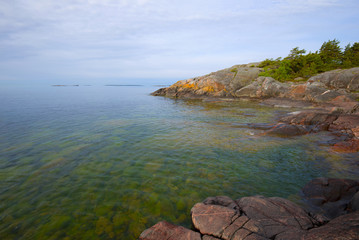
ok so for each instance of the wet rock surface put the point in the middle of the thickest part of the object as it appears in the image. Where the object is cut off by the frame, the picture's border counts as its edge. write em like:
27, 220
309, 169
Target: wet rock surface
330, 214
343, 126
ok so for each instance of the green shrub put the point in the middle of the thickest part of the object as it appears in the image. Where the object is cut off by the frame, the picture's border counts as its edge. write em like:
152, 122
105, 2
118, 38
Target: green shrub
298, 64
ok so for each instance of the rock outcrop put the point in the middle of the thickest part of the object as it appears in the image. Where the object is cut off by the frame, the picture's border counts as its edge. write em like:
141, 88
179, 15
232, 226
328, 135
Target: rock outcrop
339, 79
330, 197
332, 93
223, 83
168, 231
243, 81
331, 214
263, 87
344, 126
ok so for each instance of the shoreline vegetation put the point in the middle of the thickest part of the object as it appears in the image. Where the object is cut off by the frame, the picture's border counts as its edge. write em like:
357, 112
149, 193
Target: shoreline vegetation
299, 66
325, 85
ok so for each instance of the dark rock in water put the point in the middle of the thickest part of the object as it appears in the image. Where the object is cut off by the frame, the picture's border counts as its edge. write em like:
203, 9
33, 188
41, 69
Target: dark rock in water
343, 227
354, 203
287, 130
329, 196
168, 231
260, 126
344, 126
317, 121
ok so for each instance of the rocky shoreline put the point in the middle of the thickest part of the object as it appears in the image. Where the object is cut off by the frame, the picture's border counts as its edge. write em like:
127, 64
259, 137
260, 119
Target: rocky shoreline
330, 103
330, 99
329, 212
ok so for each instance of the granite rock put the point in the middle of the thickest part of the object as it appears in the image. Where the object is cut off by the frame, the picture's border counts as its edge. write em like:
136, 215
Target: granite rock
329, 196
168, 231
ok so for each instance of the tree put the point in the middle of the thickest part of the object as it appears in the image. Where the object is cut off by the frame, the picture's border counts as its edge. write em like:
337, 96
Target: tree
295, 60
331, 54
295, 53
351, 55
297, 64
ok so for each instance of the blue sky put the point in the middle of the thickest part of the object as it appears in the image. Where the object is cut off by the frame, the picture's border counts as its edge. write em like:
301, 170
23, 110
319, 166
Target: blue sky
132, 41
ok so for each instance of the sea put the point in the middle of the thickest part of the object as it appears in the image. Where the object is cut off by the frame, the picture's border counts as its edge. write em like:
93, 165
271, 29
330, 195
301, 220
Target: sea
107, 162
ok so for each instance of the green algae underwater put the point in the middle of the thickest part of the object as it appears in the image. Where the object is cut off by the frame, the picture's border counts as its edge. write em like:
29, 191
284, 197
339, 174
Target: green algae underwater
108, 162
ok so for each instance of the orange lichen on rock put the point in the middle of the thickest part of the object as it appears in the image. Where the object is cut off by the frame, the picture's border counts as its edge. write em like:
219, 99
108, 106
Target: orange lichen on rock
208, 89
190, 85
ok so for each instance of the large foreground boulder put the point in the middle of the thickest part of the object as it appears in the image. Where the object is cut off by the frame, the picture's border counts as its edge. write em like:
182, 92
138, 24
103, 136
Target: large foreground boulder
168, 231
334, 216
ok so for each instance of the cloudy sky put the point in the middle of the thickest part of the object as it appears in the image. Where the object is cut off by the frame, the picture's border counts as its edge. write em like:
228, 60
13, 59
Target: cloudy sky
158, 41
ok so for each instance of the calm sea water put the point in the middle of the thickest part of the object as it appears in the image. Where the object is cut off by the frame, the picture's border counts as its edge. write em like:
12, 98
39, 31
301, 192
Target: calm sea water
97, 162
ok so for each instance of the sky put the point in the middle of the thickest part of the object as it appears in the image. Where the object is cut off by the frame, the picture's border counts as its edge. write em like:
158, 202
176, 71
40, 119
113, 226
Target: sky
158, 41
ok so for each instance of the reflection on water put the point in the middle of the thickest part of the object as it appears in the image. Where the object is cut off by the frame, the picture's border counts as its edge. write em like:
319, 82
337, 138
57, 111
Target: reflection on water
108, 162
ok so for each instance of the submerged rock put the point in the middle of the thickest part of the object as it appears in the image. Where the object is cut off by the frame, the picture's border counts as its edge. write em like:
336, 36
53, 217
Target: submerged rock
287, 130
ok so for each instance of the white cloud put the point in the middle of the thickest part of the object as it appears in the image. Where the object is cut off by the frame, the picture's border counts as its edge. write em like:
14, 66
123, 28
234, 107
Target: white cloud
110, 37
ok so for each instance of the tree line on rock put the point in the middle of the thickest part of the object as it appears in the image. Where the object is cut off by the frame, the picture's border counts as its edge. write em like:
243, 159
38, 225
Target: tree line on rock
298, 65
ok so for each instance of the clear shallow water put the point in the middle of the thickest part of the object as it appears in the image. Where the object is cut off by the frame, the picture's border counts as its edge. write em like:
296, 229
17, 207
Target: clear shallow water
108, 162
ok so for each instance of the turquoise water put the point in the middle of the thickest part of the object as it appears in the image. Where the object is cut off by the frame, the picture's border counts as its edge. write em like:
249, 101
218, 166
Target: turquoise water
107, 162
